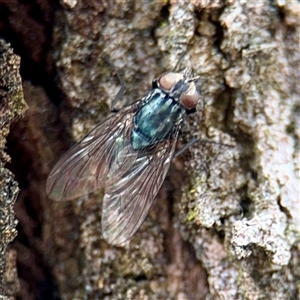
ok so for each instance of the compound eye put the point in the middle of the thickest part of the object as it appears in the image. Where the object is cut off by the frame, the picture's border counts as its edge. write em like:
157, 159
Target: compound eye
167, 80
190, 99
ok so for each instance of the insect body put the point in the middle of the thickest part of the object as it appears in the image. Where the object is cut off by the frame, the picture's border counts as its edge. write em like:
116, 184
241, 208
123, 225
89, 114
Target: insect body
129, 155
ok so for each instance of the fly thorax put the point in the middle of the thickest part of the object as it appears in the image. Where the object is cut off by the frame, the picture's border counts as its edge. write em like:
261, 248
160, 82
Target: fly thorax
155, 120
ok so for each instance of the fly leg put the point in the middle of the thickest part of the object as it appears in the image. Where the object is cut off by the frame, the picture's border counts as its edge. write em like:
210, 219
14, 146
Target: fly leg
179, 61
195, 140
122, 89
187, 145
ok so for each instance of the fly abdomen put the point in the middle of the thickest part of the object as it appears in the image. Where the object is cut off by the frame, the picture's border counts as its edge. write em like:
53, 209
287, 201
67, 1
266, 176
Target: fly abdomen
155, 120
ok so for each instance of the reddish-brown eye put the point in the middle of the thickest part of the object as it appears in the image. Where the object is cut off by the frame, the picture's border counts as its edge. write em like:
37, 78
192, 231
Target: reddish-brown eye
167, 80
190, 99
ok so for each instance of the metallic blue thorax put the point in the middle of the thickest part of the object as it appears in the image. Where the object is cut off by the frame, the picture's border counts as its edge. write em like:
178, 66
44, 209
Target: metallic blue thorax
155, 120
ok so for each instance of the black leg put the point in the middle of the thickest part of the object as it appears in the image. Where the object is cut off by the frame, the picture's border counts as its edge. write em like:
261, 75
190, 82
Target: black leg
187, 145
122, 89
179, 61
196, 140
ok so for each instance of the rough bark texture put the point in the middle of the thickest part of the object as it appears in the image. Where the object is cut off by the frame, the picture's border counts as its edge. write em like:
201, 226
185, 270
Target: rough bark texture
226, 222
12, 105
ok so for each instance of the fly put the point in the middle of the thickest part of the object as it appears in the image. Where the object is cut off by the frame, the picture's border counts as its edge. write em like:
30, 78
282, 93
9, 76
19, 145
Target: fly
129, 155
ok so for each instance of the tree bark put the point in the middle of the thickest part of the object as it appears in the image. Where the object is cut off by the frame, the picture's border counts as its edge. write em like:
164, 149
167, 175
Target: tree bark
226, 221
12, 105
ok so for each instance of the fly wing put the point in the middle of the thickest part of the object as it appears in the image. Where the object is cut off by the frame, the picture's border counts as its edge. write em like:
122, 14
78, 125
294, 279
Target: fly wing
85, 167
127, 201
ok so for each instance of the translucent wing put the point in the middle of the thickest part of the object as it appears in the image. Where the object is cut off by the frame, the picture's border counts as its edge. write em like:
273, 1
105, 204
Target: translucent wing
128, 200
84, 168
